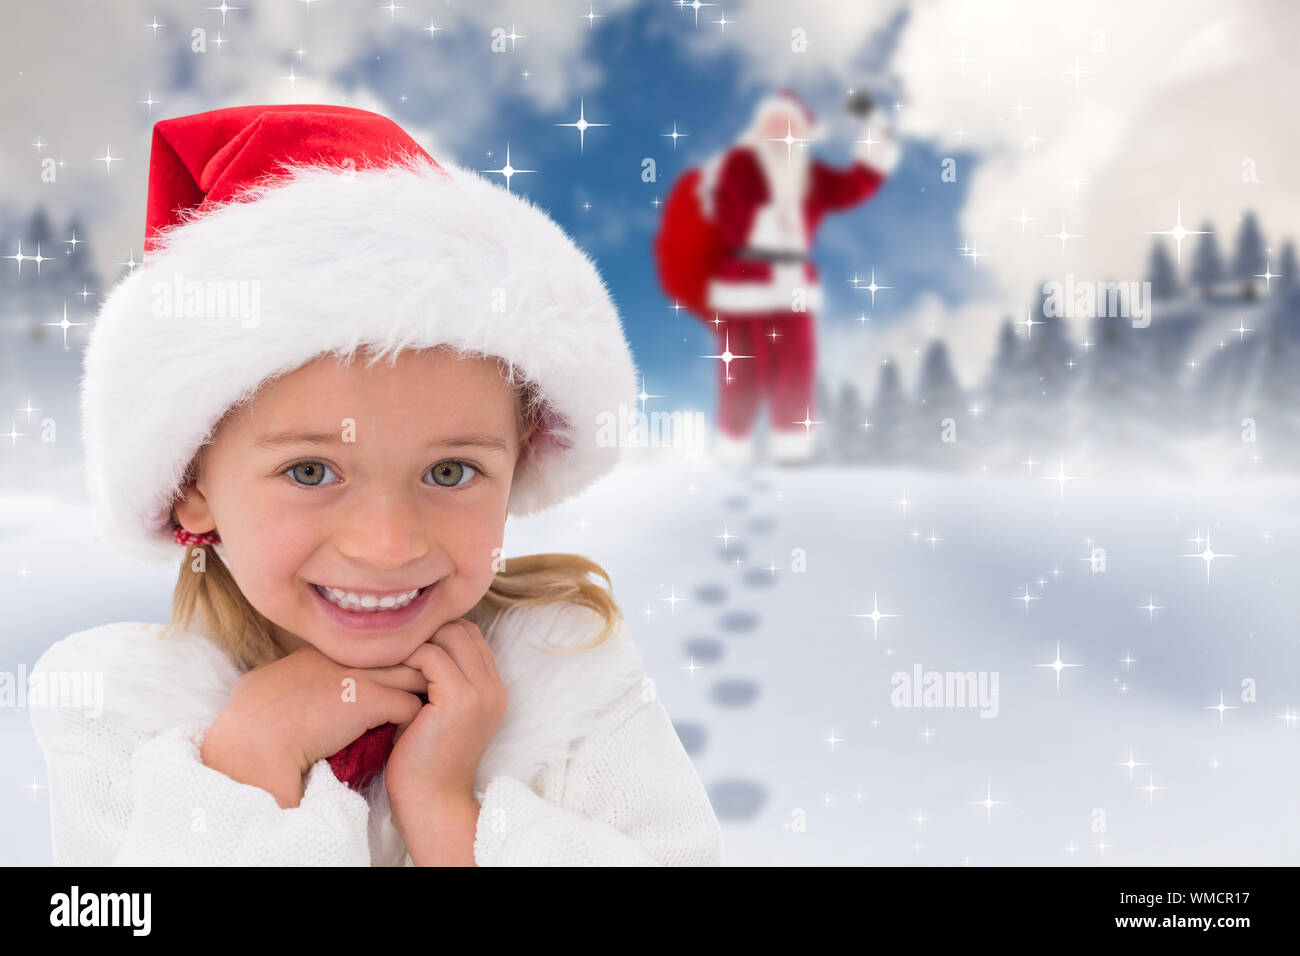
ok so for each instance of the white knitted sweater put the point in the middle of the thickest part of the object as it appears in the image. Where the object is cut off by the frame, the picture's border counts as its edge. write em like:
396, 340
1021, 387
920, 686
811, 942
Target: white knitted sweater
585, 767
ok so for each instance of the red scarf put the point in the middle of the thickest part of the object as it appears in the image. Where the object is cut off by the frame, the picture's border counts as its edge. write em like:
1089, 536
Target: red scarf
360, 761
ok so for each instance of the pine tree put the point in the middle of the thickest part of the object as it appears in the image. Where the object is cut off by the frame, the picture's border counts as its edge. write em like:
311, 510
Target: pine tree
822, 411
1248, 260
887, 415
1161, 274
850, 436
1207, 265
1287, 267
938, 398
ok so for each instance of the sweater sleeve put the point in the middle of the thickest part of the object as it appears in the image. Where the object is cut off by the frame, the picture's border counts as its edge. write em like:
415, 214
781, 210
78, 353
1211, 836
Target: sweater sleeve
632, 798
875, 156
119, 800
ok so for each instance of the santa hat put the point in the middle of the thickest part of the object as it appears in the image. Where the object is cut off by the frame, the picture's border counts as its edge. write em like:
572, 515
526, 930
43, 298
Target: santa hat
346, 234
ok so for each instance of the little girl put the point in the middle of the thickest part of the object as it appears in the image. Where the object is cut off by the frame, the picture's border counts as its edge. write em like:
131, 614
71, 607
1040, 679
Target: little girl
339, 369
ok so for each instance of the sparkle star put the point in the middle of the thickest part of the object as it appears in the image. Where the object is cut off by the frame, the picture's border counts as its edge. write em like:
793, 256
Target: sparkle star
974, 255
292, 77
65, 324
875, 615
108, 159
1029, 324
1130, 763
672, 600
13, 434
1220, 707
695, 5
1064, 235
224, 8
1026, 598
1076, 72
1151, 788
581, 124
512, 36
644, 395
1268, 275
1058, 665
507, 170
1177, 233
1207, 555
808, 421
727, 356
988, 803
1061, 478
674, 134
1022, 218
789, 139
873, 288
1150, 607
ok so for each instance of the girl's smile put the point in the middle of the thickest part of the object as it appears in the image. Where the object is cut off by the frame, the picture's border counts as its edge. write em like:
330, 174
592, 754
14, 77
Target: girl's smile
358, 616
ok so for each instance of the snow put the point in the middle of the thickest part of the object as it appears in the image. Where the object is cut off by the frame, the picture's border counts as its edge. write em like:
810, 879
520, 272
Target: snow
782, 663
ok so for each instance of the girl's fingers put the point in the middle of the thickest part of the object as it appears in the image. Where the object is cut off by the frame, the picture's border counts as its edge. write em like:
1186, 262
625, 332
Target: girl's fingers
444, 675
460, 638
393, 706
401, 676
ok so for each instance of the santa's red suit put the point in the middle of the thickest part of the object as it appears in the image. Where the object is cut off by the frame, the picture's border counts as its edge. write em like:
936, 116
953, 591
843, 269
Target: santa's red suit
766, 291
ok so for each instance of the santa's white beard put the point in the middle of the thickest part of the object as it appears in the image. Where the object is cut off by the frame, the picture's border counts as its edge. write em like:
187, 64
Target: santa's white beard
787, 174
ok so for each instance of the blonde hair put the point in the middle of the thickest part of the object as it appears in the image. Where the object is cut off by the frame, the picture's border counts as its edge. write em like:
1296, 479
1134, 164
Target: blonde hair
214, 599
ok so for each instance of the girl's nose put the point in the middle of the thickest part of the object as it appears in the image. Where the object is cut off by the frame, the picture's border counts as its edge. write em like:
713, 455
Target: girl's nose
385, 530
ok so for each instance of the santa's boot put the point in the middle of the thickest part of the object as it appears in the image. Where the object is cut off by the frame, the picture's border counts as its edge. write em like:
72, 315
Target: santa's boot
790, 446
733, 453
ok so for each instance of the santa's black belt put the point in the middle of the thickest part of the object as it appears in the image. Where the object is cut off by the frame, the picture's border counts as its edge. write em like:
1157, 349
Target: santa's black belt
771, 255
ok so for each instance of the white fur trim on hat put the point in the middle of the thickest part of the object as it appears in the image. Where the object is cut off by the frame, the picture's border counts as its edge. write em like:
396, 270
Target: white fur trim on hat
403, 257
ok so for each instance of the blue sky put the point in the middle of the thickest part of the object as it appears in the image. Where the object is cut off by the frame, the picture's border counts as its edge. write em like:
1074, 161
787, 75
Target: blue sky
652, 80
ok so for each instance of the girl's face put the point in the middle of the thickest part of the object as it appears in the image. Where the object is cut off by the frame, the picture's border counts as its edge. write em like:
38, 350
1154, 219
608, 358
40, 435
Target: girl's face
373, 481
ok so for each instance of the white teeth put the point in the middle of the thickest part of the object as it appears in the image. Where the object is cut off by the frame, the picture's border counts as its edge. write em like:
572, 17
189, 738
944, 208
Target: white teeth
350, 601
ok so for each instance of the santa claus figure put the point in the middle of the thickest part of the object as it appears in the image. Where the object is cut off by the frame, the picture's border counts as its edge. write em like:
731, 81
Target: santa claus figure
767, 198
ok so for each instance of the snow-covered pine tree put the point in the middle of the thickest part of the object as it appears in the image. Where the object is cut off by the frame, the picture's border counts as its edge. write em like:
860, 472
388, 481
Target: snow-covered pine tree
1271, 398
1248, 258
849, 436
1286, 269
823, 411
1160, 273
888, 417
939, 420
1119, 406
994, 396
1207, 264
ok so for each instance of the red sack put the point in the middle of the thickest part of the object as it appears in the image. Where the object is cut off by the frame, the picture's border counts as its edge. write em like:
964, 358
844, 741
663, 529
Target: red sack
688, 247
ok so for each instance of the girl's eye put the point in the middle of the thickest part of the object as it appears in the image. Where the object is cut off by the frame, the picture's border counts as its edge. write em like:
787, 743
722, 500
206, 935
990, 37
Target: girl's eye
449, 474
453, 473
311, 473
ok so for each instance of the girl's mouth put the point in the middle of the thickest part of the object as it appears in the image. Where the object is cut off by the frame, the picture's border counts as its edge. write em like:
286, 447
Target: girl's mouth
368, 612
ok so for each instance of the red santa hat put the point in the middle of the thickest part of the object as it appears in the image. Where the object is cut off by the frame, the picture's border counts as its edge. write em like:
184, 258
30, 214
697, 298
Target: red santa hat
345, 234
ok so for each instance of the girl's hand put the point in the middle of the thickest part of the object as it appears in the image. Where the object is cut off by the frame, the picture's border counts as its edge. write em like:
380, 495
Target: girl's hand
430, 773
285, 715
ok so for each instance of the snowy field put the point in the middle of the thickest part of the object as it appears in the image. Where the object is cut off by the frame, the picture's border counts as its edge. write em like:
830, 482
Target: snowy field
781, 688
